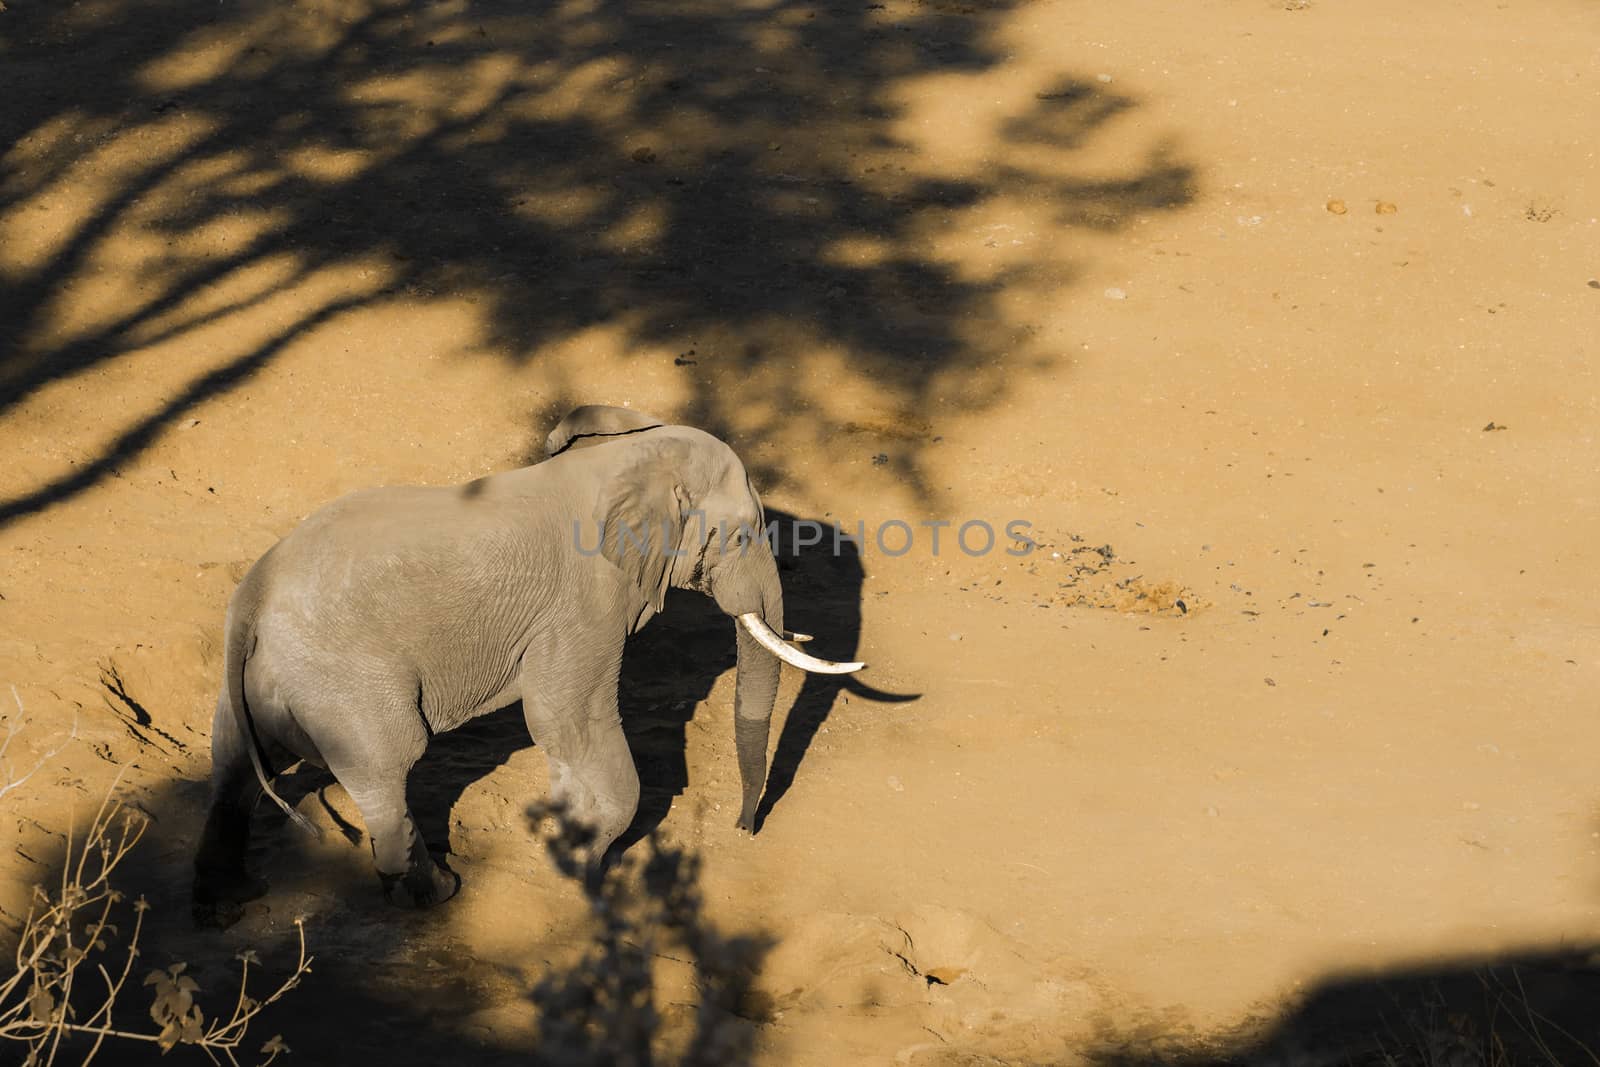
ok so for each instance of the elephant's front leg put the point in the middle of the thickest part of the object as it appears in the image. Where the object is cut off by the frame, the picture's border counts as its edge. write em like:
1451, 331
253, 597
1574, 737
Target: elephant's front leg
569, 698
408, 874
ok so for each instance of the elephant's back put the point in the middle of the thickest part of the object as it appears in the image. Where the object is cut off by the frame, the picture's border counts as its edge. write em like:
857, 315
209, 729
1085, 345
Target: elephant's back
395, 551
411, 518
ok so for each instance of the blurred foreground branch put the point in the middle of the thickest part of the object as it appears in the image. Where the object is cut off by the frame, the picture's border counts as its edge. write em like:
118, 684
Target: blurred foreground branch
602, 1010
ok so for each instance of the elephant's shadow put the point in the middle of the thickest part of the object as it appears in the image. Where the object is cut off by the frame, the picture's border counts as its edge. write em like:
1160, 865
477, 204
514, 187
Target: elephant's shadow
668, 670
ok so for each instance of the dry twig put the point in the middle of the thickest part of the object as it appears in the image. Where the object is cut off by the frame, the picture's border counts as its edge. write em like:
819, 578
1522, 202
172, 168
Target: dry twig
9, 779
66, 980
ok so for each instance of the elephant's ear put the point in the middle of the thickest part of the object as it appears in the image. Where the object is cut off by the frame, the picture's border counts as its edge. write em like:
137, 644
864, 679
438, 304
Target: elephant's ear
593, 423
644, 511
761, 510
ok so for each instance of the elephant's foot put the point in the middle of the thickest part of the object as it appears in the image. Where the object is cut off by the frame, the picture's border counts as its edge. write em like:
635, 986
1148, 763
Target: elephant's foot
219, 897
422, 886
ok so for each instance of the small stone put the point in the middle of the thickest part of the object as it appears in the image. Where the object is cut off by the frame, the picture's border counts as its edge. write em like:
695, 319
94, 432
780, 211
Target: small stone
881, 459
1385, 208
955, 637
1594, 283
1269, 681
1104, 79
1116, 294
189, 424
1336, 207
644, 154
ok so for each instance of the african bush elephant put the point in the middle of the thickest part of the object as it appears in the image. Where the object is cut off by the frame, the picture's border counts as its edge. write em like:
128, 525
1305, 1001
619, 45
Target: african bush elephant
394, 614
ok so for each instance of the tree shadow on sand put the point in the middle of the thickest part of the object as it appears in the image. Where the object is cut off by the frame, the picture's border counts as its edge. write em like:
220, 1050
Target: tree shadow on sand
731, 179
1513, 1010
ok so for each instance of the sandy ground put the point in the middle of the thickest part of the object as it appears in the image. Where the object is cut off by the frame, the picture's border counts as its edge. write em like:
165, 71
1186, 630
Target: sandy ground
1287, 311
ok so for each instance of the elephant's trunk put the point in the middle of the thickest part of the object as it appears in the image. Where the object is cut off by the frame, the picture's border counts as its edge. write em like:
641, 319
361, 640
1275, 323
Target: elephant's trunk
756, 686
755, 598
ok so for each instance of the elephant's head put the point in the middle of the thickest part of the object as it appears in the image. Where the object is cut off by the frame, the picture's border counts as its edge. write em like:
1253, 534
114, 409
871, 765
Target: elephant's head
704, 529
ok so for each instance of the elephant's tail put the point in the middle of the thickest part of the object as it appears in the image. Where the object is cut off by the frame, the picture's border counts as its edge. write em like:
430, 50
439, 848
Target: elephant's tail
236, 650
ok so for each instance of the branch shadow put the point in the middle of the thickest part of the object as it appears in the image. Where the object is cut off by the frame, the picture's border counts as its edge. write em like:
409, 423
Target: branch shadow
726, 178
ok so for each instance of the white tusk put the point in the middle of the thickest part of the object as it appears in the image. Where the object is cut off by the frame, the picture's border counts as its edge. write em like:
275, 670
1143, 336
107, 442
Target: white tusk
757, 628
797, 638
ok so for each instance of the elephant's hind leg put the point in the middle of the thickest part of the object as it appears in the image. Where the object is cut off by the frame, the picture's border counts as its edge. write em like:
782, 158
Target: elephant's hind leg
222, 885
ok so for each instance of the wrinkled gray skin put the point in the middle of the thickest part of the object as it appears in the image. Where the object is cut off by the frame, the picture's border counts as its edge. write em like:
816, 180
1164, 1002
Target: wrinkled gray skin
394, 614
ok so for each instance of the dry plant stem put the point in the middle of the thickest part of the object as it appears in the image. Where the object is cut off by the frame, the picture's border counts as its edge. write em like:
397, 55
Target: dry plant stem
1535, 1017
39, 930
114, 988
81, 889
51, 949
10, 781
220, 1037
228, 1035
